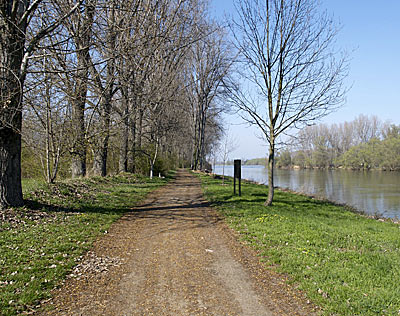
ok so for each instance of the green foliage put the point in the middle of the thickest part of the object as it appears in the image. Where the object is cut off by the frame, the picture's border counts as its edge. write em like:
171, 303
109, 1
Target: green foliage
345, 263
30, 184
283, 159
256, 161
40, 243
390, 159
299, 159
364, 143
383, 154
321, 157
31, 166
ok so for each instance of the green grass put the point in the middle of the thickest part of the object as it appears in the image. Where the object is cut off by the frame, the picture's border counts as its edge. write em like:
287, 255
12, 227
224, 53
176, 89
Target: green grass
29, 184
41, 242
345, 263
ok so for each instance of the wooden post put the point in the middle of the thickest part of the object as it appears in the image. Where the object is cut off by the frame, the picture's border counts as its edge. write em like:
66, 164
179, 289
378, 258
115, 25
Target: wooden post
234, 184
237, 174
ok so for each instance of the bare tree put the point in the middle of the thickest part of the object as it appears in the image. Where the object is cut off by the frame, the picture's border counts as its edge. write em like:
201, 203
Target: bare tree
16, 48
155, 46
228, 145
45, 115
104, 80
80, 29
211, 62
288, 63
365, 128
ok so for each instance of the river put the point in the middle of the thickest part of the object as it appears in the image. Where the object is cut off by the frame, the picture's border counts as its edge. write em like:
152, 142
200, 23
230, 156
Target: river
373, 192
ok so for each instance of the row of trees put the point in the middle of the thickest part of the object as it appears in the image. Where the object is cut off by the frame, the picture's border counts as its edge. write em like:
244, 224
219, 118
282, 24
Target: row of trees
108, 85
363, 143
92, 87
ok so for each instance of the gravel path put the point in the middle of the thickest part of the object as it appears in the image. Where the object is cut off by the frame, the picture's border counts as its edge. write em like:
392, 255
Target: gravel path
173, 255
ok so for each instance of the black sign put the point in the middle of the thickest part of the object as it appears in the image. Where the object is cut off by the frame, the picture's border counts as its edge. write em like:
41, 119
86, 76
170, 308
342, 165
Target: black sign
237, 169
237, 174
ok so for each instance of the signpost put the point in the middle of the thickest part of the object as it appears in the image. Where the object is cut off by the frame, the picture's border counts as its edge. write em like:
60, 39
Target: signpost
237, 174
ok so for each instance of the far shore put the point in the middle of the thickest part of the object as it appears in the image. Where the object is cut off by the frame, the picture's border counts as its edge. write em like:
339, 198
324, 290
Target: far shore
297, 167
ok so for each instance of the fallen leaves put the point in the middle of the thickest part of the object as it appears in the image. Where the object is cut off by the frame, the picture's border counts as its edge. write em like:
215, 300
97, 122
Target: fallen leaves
93, 264
19, 218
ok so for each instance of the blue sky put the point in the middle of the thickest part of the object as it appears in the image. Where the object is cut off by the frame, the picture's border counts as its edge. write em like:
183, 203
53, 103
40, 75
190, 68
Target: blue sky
370, 31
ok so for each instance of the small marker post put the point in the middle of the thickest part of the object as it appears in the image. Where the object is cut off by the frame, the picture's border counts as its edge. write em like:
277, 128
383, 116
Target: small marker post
237, 174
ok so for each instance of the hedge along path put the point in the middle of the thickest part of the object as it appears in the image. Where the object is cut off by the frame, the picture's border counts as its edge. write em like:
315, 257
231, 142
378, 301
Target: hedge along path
177, 257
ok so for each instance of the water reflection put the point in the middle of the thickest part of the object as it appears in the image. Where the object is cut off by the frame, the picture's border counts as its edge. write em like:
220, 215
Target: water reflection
375, 192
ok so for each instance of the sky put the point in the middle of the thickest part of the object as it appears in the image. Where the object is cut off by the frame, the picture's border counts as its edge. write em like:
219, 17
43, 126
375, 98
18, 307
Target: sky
370, 32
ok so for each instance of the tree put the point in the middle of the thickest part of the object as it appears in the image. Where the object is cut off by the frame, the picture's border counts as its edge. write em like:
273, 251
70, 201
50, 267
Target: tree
228, 145
289, 68
45, 119
210, 65
366, 128
15, 50
155, 47
80, 27
105, 81
284, 159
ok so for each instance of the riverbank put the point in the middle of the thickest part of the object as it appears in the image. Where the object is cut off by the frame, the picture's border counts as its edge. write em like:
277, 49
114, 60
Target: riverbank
376, 193
346, 263
42, 241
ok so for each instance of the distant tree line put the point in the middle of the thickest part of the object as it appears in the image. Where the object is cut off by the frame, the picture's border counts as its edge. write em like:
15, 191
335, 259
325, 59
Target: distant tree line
362, 144
251, 162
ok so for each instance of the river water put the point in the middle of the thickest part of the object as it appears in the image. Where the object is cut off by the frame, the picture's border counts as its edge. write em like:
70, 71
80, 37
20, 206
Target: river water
374, 192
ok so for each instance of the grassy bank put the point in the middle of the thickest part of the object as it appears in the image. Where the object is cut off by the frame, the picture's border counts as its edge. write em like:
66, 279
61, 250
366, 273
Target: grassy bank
345, 263
41, 242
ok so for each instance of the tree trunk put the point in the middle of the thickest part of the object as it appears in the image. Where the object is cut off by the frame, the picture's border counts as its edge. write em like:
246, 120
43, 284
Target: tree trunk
136, 131
223, 172
101, 153
49, 129
151, 169
100, 168
123, 150
10, 168
271, 163
12, 41
100, 158
153, 160
78, 152
83, 40
135, 140
196, 149
202, 141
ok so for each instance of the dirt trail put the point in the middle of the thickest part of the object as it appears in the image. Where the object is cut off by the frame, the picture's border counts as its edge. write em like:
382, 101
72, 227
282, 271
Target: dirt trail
178, 258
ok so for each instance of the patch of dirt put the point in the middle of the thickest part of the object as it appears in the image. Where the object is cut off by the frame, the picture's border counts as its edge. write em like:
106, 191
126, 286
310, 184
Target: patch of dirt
174, 255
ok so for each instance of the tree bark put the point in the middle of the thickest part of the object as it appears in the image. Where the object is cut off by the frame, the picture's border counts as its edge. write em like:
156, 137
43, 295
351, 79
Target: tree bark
271, 163
100, 167
79, 148
136, 127
12, 41
123, 150
78, 152
101, 153
136, 139
202, 141
10, 168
